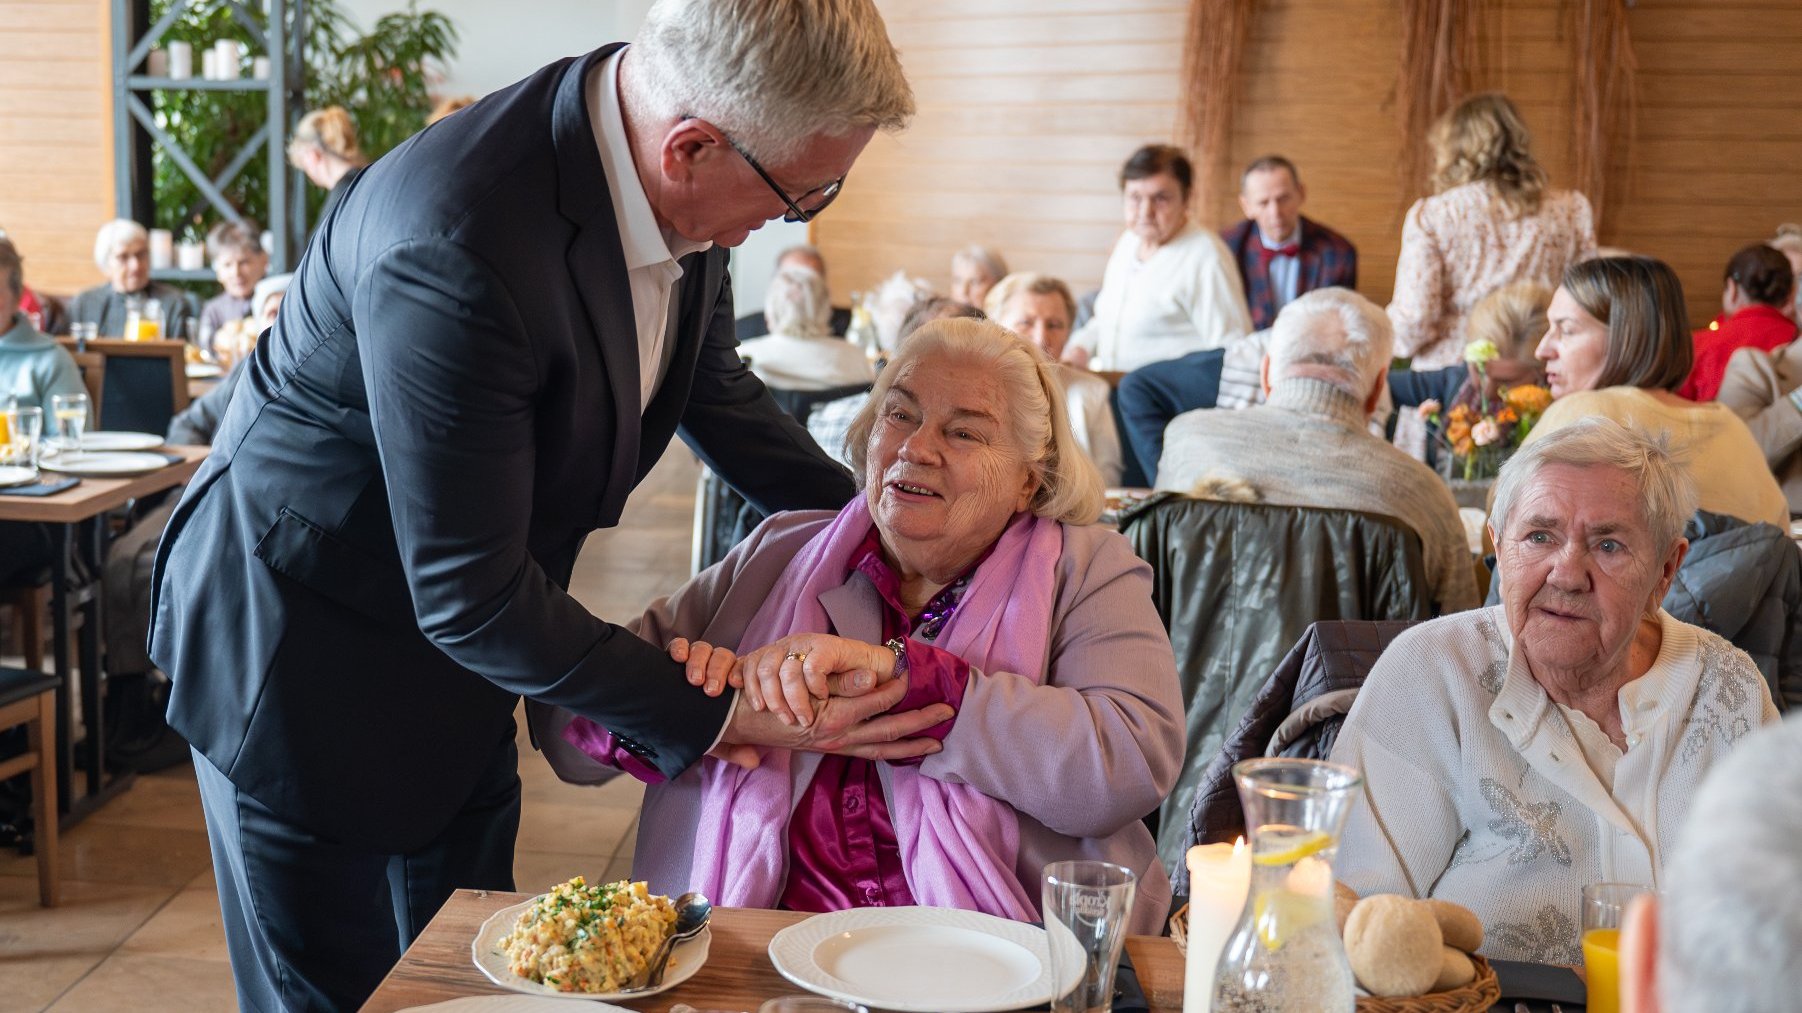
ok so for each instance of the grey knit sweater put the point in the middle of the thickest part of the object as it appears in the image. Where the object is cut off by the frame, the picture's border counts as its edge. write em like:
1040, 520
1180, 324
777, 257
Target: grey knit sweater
1307, 446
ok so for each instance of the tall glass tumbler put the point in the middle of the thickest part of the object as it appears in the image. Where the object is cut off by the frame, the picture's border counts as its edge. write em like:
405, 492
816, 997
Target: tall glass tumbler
71, 411
1286, 956
24, 426
1087, 906
1604, 910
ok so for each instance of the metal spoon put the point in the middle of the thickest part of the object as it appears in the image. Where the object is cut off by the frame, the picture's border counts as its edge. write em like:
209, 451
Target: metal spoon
692, 914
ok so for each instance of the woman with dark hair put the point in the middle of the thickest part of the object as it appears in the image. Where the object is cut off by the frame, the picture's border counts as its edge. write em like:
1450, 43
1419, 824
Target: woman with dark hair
1170, 287
1491, 221
1619, 346
1754, 301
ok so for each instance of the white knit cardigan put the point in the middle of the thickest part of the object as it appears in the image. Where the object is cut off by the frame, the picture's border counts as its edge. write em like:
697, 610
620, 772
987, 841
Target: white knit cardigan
1475, 789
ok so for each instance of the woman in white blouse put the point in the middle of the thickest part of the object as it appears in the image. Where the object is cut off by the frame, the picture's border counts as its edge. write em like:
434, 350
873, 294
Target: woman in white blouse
800, 352
1041, 309
1513, 755
1171, 287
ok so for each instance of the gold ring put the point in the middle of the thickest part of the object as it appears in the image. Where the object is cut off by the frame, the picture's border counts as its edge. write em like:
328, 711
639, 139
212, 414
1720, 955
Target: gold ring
796, 656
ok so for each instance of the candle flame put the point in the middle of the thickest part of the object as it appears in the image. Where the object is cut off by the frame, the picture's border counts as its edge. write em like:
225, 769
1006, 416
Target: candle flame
1238, 846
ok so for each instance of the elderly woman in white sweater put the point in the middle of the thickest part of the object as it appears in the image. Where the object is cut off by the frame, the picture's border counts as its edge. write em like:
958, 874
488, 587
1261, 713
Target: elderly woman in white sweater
1514, 754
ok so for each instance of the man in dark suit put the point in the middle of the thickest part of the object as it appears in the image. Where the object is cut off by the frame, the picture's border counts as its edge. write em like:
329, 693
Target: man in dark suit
487, 344
1280, 254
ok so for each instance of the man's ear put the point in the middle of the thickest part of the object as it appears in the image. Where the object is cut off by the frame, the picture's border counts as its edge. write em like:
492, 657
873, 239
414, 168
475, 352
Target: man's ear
687, 144
1264, 376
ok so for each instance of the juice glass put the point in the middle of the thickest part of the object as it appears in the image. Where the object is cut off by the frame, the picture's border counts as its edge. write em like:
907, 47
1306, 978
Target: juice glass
1604, 906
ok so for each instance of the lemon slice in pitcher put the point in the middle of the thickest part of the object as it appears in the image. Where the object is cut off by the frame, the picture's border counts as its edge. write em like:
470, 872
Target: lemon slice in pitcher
1294, 850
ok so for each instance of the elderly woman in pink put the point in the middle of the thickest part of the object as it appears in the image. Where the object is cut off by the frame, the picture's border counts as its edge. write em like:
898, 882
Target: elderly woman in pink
971, 570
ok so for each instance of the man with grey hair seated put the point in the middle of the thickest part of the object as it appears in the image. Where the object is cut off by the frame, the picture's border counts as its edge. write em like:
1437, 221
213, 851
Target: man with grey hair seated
122, 252
802, 255
1723, 933
799, 352
1309, 446
489, 340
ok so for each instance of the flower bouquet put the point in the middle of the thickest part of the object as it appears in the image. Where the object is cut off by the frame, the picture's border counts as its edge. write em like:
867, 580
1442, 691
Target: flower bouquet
1477, 436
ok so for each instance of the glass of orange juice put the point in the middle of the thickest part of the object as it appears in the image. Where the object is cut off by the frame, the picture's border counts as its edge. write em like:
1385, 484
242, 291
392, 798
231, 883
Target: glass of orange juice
1604, 907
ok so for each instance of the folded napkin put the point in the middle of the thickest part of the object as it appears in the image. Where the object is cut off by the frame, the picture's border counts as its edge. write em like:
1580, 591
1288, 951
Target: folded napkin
42, 487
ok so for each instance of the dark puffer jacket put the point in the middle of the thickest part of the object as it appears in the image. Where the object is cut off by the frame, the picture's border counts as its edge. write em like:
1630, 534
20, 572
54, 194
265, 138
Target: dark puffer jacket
1237, 583
1744, 582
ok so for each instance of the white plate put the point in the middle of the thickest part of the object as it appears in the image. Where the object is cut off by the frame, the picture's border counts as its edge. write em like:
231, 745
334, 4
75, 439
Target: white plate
511, 1004
879, 956
104, 442
106, 465
485, 950
10, 475
204, 370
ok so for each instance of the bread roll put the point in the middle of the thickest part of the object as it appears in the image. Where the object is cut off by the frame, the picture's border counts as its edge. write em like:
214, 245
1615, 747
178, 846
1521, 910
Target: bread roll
1394, 945
1458, 924
1457, 970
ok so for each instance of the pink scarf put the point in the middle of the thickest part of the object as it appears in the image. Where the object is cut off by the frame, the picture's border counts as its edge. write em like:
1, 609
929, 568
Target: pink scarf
958, 846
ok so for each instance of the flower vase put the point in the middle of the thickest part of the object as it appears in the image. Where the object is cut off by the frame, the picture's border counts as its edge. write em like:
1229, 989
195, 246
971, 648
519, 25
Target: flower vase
1285, 955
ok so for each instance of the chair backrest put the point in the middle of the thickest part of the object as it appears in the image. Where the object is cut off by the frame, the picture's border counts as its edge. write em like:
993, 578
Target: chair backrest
145, 383
801, 403
93, 373
1297, 713
1237, 583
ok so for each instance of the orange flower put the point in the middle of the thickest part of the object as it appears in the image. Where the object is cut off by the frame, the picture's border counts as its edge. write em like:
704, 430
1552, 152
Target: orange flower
1506, 415
1457, 431
1464, 447
1527, 398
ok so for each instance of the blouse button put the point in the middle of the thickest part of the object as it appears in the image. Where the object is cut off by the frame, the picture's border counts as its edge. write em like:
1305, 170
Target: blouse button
853, 803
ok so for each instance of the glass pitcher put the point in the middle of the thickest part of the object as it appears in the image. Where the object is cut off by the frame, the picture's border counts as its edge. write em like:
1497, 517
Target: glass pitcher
1286, 953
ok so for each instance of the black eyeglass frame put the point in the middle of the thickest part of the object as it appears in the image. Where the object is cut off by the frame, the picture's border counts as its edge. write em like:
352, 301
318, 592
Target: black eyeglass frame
796, 213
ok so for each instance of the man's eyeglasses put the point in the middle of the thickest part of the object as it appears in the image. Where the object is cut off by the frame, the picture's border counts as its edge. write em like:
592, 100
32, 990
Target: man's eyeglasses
803, 208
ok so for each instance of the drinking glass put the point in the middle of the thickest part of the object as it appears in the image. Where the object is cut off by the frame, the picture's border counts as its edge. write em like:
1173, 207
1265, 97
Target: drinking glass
71, 411
22, 427
1286, 955
1604, 906
83, 333
1087, 905
808, 1004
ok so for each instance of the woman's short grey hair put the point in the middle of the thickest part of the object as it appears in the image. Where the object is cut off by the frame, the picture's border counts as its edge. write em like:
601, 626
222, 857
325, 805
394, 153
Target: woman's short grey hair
797, 304
1069, 486
1667, 494
1335, 335
112, 235
1730, 918
986, 260
773, 75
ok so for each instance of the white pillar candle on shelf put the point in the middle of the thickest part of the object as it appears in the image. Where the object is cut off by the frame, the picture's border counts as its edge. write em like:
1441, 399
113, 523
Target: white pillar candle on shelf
259, 68
181, 60
162, 249
156, 63
190, 256
209, 63
228, 60
1219, 879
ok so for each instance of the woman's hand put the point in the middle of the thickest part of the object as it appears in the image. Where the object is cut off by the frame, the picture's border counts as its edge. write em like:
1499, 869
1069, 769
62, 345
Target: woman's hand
851, 726
707, 666
787, 676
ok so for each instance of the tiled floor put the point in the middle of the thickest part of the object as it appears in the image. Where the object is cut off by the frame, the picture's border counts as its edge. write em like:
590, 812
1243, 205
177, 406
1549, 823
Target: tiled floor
139, 925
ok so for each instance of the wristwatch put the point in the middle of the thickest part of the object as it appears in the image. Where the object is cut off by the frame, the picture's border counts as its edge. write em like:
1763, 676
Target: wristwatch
899, 646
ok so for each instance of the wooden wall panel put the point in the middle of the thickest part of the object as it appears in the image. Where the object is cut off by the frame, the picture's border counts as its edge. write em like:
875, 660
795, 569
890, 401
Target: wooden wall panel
56, 137
1027, 107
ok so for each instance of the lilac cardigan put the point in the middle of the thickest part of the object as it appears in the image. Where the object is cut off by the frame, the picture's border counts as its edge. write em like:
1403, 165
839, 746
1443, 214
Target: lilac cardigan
1080, 758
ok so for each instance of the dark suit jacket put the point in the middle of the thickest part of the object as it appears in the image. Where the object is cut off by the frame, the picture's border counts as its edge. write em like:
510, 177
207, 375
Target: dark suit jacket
371, 567
1327, 259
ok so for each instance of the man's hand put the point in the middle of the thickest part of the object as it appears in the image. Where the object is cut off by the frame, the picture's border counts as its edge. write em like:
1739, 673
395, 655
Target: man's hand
853, 726
705, 665
788, 677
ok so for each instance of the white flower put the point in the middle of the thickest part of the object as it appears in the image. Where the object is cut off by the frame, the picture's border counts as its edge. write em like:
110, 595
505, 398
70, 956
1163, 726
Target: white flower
1485, 432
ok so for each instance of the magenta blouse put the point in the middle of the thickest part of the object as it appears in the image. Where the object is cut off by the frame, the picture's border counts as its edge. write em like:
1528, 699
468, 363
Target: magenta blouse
842, 849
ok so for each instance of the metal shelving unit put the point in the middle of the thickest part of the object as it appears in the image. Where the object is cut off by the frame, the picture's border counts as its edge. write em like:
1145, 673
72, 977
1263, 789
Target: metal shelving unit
279, 36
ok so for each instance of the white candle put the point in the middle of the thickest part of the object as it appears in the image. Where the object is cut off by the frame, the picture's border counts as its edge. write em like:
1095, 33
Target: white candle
259, 68
156, 64
1219, 879
181, 60
230, 59
209, 63
190, 256
162, 249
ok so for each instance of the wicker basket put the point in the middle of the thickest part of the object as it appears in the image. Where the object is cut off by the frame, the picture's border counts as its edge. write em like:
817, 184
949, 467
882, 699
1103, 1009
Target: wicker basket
1477, 997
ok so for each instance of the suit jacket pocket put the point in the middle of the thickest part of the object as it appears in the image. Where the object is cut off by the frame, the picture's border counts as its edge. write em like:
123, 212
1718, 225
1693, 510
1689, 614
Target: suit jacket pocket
321, 561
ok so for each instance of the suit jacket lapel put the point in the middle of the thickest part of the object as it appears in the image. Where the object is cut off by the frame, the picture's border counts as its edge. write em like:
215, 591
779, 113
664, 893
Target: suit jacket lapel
597, 266
1310, 257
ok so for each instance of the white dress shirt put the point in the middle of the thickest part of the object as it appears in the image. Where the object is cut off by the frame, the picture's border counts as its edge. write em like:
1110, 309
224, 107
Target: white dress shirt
651, 250
1285, 272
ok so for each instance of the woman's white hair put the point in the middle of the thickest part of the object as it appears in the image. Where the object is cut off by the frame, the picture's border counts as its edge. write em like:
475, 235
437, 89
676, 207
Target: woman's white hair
773, 73
111, 235
1667, 494
1730, 917
1069, 486
797, 304
1335, 335
985, 259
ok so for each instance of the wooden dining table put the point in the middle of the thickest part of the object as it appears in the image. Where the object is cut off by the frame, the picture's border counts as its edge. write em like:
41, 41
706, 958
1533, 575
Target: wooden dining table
737, 977
78, 554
